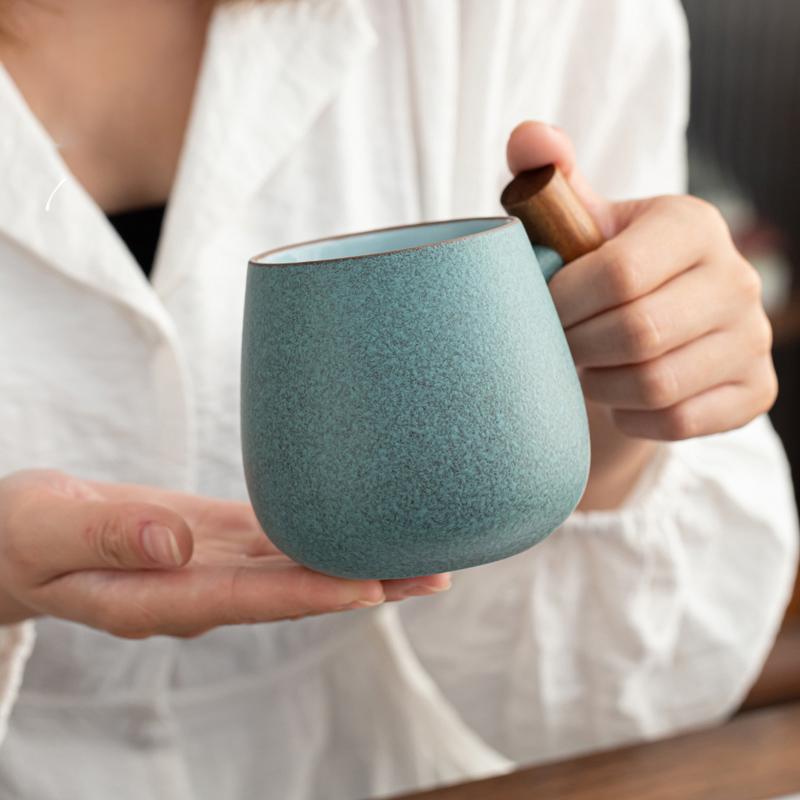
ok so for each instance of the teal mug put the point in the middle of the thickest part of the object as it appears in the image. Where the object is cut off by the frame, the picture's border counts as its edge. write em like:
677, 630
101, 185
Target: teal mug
409, 401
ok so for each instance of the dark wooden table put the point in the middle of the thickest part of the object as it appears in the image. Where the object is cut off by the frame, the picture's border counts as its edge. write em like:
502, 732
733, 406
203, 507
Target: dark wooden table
753, 757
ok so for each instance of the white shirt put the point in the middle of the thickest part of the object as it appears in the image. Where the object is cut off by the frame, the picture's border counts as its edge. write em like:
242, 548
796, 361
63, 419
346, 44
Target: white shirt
316, 117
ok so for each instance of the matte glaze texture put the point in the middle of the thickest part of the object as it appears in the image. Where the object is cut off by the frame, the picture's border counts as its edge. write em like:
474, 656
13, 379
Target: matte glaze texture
410, 412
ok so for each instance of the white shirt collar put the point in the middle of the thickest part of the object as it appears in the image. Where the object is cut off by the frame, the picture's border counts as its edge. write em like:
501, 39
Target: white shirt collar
267, 73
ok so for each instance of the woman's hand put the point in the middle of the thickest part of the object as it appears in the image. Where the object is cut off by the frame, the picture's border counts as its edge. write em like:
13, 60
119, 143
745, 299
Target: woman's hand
137, 561
665, 322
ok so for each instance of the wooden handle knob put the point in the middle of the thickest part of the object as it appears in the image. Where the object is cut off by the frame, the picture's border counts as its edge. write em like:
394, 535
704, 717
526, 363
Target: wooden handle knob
551, 212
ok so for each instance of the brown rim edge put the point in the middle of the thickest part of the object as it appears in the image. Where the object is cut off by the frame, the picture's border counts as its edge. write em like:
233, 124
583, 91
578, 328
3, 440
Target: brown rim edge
254, 261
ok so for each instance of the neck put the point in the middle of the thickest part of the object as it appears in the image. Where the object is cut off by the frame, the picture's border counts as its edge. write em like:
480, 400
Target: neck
112, 83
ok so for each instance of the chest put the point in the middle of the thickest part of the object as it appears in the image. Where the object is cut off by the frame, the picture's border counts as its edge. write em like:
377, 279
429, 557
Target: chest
113, 88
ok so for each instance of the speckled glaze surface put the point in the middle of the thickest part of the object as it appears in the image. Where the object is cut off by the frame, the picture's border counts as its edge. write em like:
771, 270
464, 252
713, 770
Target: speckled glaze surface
409, 412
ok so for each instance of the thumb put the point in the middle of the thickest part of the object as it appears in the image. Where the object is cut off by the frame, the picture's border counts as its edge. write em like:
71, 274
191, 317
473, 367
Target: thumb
536, 144
64, 534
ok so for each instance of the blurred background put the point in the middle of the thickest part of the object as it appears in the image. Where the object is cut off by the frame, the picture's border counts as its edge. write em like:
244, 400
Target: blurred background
744, 157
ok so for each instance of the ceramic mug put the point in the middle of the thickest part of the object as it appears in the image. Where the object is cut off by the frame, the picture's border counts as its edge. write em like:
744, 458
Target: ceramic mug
409, 401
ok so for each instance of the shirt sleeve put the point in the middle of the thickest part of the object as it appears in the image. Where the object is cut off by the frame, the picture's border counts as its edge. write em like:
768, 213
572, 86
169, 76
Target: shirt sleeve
16, 643
657, 616
627, 624
615, 77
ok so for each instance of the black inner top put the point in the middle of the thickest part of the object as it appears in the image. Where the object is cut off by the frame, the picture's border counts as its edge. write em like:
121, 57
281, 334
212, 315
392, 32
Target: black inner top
140, 230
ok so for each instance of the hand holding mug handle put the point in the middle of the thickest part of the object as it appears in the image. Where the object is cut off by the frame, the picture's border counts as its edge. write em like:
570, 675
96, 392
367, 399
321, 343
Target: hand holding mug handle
554, 216
664, 319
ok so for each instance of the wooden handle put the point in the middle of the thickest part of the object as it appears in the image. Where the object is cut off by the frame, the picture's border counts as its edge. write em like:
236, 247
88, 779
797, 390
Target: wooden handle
551, 212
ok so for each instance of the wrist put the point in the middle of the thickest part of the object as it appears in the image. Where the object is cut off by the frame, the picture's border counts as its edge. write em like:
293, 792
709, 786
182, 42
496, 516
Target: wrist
617, 462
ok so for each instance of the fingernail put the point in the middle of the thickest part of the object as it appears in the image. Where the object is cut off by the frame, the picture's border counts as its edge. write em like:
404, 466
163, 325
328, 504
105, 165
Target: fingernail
160, 544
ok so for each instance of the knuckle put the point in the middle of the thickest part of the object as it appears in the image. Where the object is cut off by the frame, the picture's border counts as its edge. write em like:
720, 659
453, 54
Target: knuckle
704, 211
763, 334
641, 337
623, 273
750, 282
769, 390
658, 385
107, 538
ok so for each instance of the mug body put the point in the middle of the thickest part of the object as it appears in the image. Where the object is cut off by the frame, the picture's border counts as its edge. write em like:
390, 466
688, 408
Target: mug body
409, 401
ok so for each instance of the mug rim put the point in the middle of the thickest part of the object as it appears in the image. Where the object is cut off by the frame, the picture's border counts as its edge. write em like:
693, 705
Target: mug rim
507, 221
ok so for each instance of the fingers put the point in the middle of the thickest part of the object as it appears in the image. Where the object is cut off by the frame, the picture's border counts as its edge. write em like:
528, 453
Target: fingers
719, 409
534, 144
190, 601
78, 554
718, 358
680, 312
50, 534
664, 320
243, 534
206, 516
662, 240
186, 602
